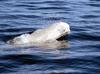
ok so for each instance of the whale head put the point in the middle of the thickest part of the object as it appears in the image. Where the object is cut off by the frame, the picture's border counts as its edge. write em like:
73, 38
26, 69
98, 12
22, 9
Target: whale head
63, 27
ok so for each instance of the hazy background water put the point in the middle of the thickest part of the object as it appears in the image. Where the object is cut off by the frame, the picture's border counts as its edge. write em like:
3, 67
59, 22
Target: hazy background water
82, 52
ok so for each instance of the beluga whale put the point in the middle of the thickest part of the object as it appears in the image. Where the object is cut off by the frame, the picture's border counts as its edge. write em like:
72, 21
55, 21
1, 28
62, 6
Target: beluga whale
49, 34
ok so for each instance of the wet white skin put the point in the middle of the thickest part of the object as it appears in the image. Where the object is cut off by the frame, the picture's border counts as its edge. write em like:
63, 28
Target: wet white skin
41, 36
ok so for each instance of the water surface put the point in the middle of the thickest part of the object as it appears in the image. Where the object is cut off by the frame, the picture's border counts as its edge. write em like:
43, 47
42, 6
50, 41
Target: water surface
81, 53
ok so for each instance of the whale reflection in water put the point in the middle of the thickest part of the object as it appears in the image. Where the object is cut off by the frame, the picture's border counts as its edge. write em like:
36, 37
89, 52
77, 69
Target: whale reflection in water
47, 37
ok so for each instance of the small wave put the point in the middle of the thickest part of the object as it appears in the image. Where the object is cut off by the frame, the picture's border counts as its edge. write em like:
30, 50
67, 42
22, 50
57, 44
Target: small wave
94, 4
86, 36
90, 16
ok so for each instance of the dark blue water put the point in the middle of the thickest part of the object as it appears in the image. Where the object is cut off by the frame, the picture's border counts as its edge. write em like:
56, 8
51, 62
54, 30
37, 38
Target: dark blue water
80, 55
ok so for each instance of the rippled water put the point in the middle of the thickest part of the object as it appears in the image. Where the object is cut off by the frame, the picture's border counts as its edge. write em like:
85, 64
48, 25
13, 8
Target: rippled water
82, 52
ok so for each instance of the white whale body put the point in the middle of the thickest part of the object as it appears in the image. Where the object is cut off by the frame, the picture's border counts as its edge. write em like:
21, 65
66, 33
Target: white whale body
45, 35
